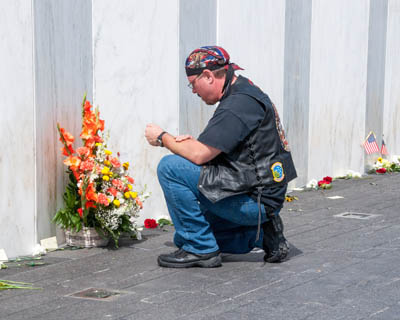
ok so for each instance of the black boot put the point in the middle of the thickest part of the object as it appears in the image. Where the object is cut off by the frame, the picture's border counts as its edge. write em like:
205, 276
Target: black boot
184, 259
274, 243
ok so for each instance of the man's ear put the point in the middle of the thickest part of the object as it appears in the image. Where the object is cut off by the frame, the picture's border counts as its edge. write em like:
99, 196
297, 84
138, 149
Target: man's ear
209, 76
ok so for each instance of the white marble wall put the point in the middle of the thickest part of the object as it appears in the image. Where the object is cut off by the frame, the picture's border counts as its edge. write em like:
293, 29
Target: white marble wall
135, 81
339, 42
253, 32
63, 72
197, 28
17, 129
391, 119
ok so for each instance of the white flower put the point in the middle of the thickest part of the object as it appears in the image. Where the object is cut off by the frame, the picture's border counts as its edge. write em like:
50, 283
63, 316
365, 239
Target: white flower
312, 184
93, 176
396, 159
38, 249
353, 174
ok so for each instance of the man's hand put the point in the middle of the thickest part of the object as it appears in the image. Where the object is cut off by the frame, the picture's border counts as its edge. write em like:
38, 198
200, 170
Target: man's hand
151, 133
183, 137
184, 145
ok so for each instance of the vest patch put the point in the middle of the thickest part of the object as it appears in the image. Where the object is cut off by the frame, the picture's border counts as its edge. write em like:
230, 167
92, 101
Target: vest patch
277, 171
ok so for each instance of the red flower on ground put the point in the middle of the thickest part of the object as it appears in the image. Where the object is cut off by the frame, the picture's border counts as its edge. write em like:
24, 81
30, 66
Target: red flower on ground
150, 224
327, 179
381, 170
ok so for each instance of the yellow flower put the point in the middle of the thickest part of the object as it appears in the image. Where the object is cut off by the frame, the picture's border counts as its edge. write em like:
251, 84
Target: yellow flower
126, 165
133, 194
105, 170
129, 187
110, 174
108, 152
127, 195
106, 178
379, 159
116, 203
98, 144
107, 163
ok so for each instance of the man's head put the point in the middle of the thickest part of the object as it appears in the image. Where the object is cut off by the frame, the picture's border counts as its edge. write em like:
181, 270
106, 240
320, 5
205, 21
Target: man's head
206, 69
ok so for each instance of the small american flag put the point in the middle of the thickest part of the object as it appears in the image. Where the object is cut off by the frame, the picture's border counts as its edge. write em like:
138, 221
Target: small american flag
383, 148
370, 144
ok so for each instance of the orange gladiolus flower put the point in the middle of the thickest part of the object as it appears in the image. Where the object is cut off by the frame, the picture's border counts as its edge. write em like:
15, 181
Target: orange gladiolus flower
68, 138
90, 204
80, 211
67, 152
91, 193
73, 162
76, 175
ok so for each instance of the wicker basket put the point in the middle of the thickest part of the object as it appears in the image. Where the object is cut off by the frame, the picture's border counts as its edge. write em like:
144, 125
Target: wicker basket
87, 237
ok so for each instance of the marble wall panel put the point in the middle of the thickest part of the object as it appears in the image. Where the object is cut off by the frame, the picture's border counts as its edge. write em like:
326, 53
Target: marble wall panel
391, 121
197, 28
376, 72
63, 72
253, 34
338, 74
17, 129
297, 83
135, 81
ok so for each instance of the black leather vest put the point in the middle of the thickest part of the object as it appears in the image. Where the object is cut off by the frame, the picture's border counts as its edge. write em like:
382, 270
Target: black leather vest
262, 160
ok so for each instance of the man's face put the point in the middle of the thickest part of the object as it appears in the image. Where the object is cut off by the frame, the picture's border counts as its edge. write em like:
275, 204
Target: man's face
203, 85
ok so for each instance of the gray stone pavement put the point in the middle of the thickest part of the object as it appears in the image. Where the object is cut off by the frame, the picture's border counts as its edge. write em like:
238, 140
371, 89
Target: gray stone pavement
339, 268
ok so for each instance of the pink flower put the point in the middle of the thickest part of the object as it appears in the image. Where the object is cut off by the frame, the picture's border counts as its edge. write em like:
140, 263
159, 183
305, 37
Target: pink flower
115, 162
118, 184
112, 191
87, 165
102, 199
83, 152
130, 179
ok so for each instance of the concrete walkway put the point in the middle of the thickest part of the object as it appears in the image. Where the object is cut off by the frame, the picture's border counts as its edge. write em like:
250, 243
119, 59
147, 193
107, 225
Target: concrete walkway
339, 268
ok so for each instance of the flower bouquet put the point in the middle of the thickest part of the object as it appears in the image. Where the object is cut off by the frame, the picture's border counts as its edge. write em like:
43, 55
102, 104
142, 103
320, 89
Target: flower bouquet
383, 165
100, 192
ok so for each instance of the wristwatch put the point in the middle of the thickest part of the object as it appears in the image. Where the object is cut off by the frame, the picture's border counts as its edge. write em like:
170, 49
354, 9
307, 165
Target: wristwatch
159, 138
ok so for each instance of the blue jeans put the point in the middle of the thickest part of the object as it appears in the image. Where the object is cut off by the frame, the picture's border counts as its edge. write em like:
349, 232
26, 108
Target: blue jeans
229, 225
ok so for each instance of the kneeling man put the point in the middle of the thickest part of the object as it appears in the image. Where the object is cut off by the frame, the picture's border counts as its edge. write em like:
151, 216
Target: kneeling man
224, 190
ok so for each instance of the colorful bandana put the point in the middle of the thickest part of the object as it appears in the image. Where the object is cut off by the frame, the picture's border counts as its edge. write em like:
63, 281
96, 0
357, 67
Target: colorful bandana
209, 57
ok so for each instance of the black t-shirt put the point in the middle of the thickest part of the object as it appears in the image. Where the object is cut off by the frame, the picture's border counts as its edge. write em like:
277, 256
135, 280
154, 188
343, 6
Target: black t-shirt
231, 123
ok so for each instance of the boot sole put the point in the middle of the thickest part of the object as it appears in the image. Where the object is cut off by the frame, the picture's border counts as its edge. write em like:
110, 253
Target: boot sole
213, 262
280, 256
